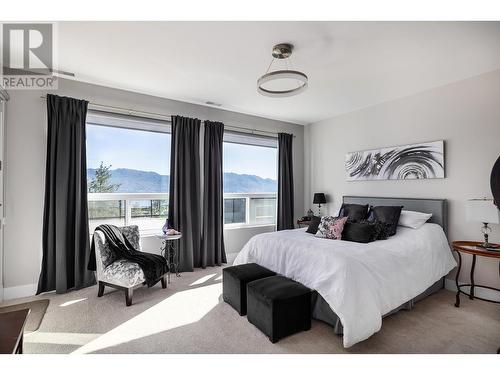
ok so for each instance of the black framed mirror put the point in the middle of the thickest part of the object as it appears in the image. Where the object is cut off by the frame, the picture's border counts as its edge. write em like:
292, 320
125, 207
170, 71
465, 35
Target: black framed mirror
495, 182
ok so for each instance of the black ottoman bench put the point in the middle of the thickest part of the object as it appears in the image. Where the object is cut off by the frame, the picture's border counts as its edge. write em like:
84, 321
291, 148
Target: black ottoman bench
279, 306
235, 280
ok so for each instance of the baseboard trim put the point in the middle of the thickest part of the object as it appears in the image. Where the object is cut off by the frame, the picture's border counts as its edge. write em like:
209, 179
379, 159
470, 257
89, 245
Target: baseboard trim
20, 291
29, 290
479, 292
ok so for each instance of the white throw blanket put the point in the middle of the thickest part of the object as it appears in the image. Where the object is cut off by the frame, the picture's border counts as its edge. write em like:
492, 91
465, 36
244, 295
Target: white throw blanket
360, 282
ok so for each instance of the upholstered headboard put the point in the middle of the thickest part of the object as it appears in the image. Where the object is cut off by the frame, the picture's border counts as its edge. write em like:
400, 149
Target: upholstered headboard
437, 207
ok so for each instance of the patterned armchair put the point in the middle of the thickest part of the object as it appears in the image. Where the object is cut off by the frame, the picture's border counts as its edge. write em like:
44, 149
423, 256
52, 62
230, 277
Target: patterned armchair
119, 273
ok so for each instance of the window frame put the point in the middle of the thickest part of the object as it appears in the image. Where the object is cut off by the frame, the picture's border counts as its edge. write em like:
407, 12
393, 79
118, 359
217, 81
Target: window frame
249, 139
130, 122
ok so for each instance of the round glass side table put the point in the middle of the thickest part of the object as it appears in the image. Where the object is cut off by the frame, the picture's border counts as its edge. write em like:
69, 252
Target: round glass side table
170, 250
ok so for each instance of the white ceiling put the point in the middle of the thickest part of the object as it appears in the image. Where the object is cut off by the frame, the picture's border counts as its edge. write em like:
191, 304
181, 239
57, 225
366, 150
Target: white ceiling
350, 65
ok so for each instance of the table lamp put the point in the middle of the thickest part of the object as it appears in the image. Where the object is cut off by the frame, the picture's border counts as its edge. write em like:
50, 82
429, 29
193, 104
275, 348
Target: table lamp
319, 199
483, 211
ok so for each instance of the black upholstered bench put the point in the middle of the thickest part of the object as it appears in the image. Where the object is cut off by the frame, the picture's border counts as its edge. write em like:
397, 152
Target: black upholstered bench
279, 306
235, 280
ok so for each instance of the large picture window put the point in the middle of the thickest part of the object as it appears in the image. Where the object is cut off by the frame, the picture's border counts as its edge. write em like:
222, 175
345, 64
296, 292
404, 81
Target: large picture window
128, 174
128, 165
250, 180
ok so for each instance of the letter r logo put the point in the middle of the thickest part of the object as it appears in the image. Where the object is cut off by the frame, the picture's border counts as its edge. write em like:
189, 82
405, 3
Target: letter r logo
27, 48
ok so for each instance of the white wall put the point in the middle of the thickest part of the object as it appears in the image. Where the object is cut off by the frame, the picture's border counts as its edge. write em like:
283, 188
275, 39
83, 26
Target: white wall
465, 114
25, 168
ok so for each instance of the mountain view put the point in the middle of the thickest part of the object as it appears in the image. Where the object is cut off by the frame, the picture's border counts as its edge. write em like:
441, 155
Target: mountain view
136, 181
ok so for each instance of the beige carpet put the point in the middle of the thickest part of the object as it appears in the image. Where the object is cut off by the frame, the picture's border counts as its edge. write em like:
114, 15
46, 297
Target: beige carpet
189, 317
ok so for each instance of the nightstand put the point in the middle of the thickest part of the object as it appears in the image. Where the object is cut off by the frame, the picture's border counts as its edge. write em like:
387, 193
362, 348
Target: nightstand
303, 223
470, 247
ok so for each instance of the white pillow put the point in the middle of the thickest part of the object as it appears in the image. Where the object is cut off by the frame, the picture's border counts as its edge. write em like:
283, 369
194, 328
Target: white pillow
413, 219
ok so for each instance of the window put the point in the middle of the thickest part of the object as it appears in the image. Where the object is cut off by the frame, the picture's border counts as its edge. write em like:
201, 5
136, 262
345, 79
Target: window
128, 173
128, 165
250, 180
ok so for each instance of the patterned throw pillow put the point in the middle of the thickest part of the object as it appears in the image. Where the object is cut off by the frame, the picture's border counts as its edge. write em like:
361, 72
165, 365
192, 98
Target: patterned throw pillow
383, 230
386, 214
335, 229
331, 227
323, 226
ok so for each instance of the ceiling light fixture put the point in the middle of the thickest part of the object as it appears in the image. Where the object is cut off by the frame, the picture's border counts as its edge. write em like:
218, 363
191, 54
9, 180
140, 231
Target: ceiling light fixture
285, 82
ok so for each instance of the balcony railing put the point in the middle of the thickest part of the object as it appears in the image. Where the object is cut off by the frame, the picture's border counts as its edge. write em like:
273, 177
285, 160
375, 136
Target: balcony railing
249, 209
149, 210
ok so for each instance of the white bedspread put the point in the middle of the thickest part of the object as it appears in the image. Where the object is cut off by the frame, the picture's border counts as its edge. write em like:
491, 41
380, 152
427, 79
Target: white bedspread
360, 282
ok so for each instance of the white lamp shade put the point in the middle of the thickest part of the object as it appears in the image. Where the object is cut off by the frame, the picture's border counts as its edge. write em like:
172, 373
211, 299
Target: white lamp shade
482, 210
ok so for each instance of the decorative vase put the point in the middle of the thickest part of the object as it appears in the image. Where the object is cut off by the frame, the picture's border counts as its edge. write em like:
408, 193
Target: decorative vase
165, 227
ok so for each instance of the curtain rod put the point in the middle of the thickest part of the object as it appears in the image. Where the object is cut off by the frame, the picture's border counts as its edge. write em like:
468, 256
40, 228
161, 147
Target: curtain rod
160, 116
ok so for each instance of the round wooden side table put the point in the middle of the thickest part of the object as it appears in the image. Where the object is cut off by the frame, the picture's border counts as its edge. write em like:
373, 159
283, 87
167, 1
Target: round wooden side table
471, 247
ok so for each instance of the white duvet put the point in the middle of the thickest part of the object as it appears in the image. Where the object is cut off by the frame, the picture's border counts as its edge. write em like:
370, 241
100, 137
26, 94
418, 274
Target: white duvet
360, 282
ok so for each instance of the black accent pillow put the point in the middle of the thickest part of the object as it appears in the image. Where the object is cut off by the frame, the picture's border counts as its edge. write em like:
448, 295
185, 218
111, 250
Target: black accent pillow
362, 232
313, 227
354, 212
388, 215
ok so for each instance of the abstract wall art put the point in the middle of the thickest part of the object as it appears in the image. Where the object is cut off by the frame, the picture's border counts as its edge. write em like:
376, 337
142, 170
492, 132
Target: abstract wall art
408, 162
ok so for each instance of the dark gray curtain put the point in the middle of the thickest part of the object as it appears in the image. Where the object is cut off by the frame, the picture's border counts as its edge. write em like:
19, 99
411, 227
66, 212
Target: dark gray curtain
285, 182
212, 249
184, 212
65, 240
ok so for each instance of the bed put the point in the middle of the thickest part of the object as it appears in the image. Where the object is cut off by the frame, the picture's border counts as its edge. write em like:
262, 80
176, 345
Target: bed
358, 284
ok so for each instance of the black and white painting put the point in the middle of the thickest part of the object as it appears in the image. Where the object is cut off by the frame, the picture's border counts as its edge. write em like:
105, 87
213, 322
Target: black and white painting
417, 161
